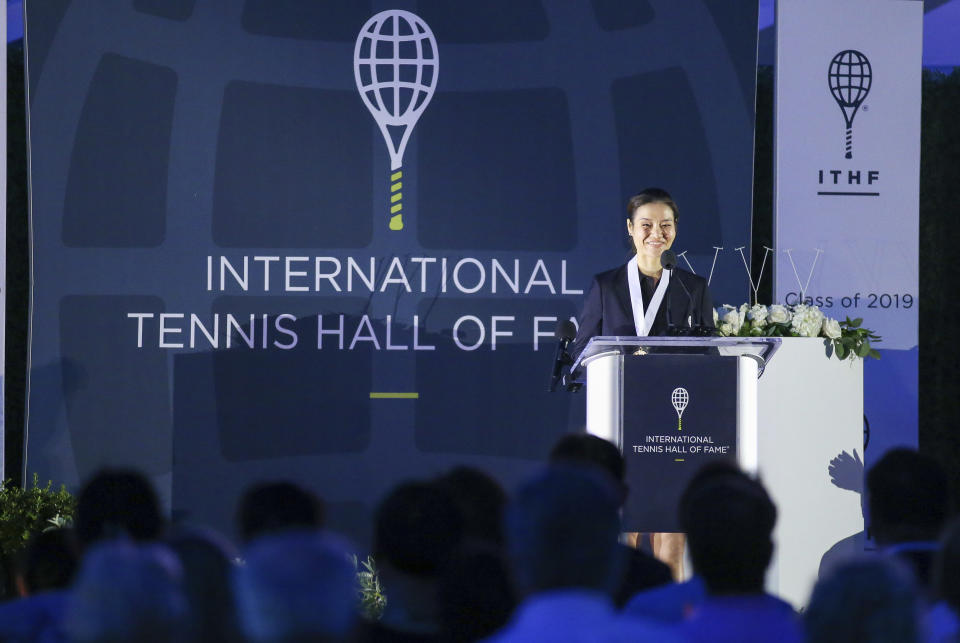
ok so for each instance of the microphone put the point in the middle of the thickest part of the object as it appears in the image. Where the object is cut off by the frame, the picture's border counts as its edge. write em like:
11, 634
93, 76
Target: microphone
565, 333
668, 261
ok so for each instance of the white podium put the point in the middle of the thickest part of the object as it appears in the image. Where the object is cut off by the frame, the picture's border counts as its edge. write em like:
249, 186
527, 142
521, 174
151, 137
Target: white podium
794, 414
810, 410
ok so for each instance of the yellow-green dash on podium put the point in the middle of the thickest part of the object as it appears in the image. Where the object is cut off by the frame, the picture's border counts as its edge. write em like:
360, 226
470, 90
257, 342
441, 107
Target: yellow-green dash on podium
394, 396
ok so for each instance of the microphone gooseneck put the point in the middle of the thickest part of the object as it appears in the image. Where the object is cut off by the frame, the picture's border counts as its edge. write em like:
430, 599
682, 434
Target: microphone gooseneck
668, 261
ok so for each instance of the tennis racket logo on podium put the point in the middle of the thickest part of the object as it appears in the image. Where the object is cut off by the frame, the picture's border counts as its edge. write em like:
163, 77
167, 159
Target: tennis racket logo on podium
680, 398
850, 76
395, 65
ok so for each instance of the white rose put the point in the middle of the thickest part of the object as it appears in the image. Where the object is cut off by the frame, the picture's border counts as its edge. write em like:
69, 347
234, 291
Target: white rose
807, 320
778, 314
816, 319
758, 315
716, 318
727, 330
731, 318
831, 328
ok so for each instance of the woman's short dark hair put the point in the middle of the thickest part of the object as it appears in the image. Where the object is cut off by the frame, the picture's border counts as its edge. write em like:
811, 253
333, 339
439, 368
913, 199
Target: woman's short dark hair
652, 195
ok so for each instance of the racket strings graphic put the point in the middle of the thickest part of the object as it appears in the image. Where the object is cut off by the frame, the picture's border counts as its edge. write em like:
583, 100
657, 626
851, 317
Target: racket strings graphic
395, 65
850, 76
679, 398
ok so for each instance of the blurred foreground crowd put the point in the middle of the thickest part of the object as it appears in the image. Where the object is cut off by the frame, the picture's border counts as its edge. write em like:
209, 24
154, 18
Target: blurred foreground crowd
461, 560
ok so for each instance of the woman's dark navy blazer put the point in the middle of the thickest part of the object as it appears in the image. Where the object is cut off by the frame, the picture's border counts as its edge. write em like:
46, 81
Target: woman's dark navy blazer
608, 309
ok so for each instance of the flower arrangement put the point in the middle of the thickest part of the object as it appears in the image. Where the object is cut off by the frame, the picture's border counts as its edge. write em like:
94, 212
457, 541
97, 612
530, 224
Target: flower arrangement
845, 338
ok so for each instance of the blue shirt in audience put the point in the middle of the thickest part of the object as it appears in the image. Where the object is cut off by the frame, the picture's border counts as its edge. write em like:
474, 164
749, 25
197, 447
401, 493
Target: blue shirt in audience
668, 603
941, 624
576, 616
755, 618
37, 618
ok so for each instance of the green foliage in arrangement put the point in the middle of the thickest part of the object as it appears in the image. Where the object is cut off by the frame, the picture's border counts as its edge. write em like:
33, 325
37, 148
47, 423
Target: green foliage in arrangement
31, 510
369, 590
855, 340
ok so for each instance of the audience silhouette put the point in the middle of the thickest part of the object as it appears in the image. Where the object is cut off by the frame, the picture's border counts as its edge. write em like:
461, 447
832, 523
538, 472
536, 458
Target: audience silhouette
296, 585
417, 528
641, 570
942, 620
460, 560
277, 506
480, 501
675, 602
729, 520
126, 591
475, 596
908, 501
44, 572
48, 562
207, 560
562, 528
865, 599
117, 503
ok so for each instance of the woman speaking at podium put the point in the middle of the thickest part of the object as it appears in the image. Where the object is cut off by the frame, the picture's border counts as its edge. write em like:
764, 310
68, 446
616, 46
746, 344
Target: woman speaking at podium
641, 298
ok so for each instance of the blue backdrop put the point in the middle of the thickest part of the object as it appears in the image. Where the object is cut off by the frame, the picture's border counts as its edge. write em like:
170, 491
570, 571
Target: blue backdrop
172, 141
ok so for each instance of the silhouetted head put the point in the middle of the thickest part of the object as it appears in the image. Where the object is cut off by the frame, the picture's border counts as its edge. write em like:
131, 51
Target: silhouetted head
728, 518
417, 527
117, 503
480, 500
712, 469
296, 585
585, 450
562, 528
907, 497
127, 592
48, 561
476, 596
270, 507
208, 567
869, 599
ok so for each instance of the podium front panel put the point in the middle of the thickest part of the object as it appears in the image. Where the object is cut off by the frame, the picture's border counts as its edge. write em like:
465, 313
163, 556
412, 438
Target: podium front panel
670, 415
679, 412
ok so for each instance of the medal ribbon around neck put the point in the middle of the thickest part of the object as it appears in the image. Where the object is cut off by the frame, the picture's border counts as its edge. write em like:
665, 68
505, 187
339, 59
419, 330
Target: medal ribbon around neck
643, 320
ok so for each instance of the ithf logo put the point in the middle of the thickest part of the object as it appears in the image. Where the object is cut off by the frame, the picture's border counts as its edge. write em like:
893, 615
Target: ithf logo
850, 76
395, 63
680, 398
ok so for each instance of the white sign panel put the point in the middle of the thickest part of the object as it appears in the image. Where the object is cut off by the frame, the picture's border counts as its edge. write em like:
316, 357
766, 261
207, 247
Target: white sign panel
848, 160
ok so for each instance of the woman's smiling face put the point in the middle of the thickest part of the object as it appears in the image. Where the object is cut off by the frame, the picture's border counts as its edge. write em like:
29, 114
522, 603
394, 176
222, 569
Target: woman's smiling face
653, 229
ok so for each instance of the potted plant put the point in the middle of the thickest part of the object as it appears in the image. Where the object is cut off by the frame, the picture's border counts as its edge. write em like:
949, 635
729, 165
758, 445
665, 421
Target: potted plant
25, 511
